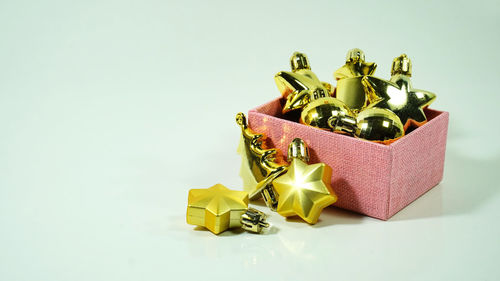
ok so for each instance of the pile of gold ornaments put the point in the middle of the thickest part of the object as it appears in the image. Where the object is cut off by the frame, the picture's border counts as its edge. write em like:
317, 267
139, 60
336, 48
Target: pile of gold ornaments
361, 105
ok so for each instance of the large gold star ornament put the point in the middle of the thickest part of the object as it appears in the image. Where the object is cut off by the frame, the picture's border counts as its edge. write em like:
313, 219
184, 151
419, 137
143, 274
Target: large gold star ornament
217, 208
398, 94
304, 190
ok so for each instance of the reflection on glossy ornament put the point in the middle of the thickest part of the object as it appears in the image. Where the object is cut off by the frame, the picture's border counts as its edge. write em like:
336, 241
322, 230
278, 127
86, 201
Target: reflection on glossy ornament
259, 166
304, 190
300, 85
373, 124
218, 208
349, 87
317, 112
398, 95
379, 125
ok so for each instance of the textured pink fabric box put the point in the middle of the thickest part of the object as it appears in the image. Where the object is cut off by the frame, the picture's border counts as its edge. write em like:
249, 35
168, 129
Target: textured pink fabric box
369, 178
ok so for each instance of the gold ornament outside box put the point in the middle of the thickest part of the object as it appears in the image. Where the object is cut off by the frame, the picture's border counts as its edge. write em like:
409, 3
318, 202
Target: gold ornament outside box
259, 166
304, 190
218, 208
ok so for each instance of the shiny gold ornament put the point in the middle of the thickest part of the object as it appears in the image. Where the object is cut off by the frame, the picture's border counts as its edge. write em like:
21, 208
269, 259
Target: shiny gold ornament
349, 87
301, 85
373, 124
398, 95
218, 208
296, 149
379, 125
304, 190
317, 112
259, 166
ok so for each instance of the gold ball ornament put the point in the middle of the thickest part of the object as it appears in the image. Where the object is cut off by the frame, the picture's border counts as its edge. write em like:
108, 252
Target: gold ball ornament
379, 125
372, 124
317, 112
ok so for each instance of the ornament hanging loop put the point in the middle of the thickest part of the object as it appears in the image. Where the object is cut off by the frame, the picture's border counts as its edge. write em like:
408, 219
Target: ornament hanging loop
343, 124
241, 120
253, 220
298, 149
401, 65
355, 55
299, 61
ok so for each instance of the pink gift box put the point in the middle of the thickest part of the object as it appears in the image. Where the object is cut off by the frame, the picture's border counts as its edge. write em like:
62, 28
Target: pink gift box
369, 178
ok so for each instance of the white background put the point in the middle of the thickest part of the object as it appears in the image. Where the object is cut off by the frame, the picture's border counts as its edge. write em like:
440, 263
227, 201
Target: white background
110, 111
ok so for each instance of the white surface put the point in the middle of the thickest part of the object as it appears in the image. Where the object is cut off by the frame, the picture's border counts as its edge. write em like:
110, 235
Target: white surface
112, 110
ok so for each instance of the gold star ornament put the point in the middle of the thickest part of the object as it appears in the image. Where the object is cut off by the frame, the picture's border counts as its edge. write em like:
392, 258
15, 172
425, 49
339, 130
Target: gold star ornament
218, 208
301, 84
398, 95
304, 190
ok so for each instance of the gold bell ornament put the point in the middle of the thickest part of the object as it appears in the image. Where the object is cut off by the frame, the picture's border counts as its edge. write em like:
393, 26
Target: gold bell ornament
398, 95
218, 208
304, 190
349, 87
259, 166
300, 85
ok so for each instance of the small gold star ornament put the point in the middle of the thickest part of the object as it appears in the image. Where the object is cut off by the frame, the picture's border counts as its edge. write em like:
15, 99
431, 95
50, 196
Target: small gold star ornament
218, 208
398, 95
304, 190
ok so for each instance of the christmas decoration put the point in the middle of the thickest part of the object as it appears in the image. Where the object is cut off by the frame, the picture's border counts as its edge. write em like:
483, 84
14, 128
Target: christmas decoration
259, 166
303, 90
398, 95
301, 85
349, 87
218, 208
365, 107
304, 190
373, 124
318, 111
